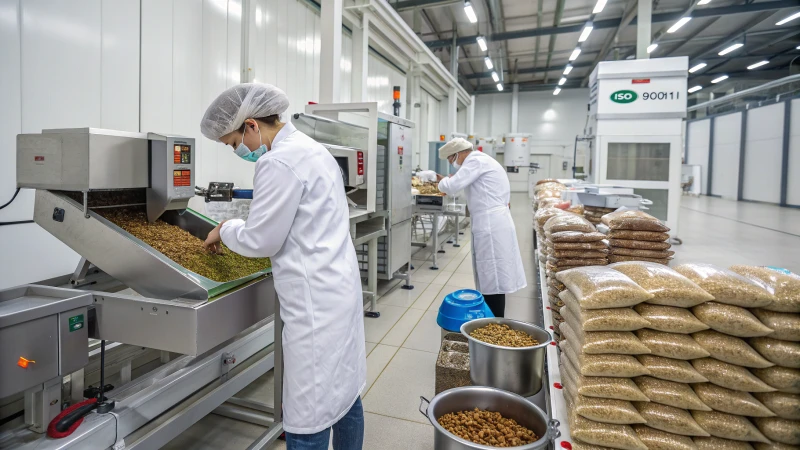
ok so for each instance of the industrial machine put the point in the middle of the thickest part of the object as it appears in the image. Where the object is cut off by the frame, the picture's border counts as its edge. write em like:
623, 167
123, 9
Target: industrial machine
126, 292
486, 145
517, 152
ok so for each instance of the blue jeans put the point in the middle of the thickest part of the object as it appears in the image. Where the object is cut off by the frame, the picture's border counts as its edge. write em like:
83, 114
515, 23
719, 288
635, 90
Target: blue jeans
348, 433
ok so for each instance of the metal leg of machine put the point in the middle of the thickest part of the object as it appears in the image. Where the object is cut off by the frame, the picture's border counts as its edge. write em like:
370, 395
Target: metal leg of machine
372, 277
457, 232
435, 234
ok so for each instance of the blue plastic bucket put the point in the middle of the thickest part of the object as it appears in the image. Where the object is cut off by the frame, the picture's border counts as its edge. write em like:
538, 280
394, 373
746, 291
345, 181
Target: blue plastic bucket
460, 307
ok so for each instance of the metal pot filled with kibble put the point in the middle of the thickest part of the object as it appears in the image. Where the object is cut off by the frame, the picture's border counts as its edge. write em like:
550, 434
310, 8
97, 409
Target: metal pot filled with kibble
506, 354
479, 417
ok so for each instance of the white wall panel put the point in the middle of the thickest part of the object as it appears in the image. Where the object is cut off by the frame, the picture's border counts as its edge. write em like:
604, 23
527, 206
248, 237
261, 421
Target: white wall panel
157, 52
492, 115
793, 188
725, 170
461, 120
120, 65
381, 78
10, 109
697, 149
187, 86
763, 154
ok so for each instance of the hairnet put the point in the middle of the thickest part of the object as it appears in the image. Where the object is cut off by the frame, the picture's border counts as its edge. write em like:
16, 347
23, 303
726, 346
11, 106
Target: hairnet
454, 146
245, 101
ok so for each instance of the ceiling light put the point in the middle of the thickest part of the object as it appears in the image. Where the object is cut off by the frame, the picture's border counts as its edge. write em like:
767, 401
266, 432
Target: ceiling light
558, 89
495, 77
695, 89
697, 67
470, 12
499, 86
651, 47
488, 62
598, 7
567, 69
704, 2
789, 19
757, 65
575, 54
679, 24
718, 79
730, 49
587, 30
482, 43
562, 81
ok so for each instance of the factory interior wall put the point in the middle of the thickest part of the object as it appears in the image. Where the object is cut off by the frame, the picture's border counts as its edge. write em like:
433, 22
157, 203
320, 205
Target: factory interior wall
382, 77
697, 149
144, 65
725, 170
428, 127
793, 185
763, 153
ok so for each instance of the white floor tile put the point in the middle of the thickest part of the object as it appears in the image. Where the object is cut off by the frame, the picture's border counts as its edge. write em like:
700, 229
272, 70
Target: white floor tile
396, 392
376, 363
376, 328
462, 279
403, 297
388, 433
398, 334
369, 347
442, 277
427, 296
427, 335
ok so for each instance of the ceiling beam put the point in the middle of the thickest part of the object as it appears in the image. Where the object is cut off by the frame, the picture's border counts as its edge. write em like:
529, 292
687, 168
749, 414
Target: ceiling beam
556, 23
627, 17
692, 35
529, 70
613, 23
405, 5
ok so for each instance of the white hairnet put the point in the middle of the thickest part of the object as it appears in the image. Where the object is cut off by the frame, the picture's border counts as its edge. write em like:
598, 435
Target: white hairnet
454, 146
245, 101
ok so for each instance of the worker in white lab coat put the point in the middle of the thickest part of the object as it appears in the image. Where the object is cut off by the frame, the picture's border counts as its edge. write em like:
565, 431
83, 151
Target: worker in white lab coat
496, 259
299, 218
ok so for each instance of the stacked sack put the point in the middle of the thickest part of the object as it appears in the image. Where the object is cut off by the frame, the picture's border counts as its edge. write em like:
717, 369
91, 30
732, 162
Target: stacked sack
547, 192
637, 236
570, 241
594, 214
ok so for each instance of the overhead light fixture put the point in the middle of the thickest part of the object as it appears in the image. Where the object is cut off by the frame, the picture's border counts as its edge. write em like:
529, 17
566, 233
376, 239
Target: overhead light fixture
567, 69
718, 79
499, 86
789, 19
481, 43
598, 7
495, 77
587, 30
692, 90
470, 12
757, 65
704, 2
651, 47
697, 67
730, 49
681, 22
488, 62
562, 81
558, 89
575, 54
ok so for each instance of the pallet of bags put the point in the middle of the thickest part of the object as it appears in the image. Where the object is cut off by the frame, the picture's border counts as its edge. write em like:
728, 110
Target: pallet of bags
595, 213
637, 236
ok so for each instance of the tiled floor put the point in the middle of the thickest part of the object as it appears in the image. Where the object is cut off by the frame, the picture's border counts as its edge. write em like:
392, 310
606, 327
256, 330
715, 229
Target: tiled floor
402, 344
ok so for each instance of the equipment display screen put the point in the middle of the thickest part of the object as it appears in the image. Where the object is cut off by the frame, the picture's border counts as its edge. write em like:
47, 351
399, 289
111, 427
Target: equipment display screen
183, 154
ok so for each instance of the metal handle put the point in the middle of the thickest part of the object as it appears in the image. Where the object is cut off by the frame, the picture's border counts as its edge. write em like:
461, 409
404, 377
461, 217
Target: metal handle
427, 403
553, 432
646, 202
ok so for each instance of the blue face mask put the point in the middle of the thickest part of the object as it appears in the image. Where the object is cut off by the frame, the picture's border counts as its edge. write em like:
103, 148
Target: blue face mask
244, 152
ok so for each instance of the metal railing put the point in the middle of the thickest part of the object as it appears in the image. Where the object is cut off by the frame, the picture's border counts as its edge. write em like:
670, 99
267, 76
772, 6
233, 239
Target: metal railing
764, 94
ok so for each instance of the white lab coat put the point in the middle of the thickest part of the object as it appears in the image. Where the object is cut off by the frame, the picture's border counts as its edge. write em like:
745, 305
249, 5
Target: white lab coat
299, 218
496, 258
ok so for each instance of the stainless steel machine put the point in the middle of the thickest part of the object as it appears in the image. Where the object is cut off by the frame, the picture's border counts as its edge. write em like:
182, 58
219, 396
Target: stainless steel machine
127, 292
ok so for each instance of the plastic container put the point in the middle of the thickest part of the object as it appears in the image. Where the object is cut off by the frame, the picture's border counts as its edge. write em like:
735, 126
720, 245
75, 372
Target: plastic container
460, 307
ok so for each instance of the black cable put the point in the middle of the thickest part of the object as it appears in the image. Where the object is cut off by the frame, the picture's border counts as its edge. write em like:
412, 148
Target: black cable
12, 199
16, 222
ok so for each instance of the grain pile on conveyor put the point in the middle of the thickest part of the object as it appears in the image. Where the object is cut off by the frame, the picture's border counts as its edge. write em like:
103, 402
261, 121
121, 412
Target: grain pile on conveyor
637, 236
693, 358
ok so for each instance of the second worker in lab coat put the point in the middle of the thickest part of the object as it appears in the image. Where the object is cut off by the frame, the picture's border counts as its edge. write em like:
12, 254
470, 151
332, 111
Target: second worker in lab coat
299, 218
496, 259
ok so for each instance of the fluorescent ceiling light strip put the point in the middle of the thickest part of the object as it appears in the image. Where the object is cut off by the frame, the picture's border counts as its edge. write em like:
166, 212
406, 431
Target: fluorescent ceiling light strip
567, 69
587, 30
575, 54
488, 62
558, 89
757, 65
651, 47
482, 43
697, 67
562, 81
695, 89
679, 24
704, 2
717, 80
470, 12
731, 48
789, 19
598, 7
495, 77
499, 87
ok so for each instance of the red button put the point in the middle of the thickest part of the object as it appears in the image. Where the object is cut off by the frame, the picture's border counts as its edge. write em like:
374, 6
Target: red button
547, 307
557, 385
553, 343
551, 327
566, 445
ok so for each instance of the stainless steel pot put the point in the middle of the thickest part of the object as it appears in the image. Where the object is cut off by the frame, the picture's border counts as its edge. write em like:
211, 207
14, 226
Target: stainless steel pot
508, 404
519, 370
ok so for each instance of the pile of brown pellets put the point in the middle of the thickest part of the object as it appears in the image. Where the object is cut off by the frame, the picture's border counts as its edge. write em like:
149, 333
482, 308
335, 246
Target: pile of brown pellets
487, 428
504, 336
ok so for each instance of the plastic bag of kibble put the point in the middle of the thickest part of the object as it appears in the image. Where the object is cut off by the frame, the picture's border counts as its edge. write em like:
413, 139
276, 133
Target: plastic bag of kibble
639, 245
608, 319
661, 440
782, 353
633, 220
784, 285
728, 426
579, 254
601, 287
670, 319
617, 366
622, 258
671, 345
730, 349
775, 446
604, 434
651, 236
568, 222
780, 430
671, 369
715, 443
784, 405
670, 393
729, 401
669, 419
729, 319
654, 254
574, 236
783, 379
598, 245
604, 342
727, 286
544, 214
606, 410
572, 262
730, 376
603, 387
668, 287
786, 325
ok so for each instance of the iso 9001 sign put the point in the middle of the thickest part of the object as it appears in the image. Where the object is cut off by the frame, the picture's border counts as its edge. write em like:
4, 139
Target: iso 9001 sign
628, 96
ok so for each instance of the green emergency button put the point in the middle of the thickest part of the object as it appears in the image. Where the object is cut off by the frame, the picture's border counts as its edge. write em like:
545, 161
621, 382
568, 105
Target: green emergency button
76, 323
